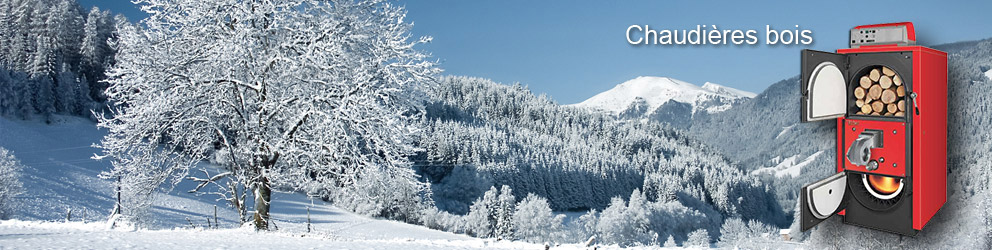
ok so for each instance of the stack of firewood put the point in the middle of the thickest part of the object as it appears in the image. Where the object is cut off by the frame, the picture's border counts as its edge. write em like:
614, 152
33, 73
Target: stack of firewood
880, 92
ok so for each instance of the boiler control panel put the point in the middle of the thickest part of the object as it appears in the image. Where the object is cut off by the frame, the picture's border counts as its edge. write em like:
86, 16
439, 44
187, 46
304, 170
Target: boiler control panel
883, 34
874, 146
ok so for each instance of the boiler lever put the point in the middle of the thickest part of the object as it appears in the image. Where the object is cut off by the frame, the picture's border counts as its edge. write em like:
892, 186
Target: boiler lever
915, 106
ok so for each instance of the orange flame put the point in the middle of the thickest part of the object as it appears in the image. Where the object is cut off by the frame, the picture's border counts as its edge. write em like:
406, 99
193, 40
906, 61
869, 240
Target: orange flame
882, 184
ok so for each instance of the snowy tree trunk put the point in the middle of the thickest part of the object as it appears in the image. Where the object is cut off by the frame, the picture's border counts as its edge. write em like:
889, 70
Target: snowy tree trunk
237, 201
263, 195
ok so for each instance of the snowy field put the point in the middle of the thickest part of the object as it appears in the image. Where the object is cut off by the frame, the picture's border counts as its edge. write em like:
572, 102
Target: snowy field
60, 178
17, 234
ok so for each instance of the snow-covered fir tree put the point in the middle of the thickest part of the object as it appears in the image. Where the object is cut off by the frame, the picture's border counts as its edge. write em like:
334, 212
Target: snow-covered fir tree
58, 47
95, 51
10, 183
505, 208
305, 95
481, 218
670, 242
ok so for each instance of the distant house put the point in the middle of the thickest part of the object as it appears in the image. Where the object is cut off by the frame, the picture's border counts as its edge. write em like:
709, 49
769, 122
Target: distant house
785, 234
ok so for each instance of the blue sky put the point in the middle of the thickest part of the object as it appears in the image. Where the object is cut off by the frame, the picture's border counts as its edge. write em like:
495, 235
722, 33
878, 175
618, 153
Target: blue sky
571, 50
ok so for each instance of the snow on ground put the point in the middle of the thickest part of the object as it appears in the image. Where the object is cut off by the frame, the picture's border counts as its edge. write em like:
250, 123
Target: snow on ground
785, 130
59, 176
988, 74
724, 90
17, 234
788, 166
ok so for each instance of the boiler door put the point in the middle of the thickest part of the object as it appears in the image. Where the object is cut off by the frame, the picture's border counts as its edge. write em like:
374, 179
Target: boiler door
822, 199
824, 81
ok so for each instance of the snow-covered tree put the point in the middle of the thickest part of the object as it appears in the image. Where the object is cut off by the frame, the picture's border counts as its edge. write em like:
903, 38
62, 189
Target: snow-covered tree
481, 218
41, 72
627, 222
41, 38
534, 220
613, 225
10, 183
95, 51
586, 224
698, 238
670, 242
306, 95
8, 98
505, 213
735, 233
64, 23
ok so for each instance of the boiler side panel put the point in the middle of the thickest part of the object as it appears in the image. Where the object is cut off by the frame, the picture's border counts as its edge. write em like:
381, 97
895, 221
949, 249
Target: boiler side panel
930, 136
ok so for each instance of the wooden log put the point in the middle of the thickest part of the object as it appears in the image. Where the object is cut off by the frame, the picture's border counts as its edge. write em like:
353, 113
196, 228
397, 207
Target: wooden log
866, 109
877, 106
897, 81
874, 92
876, 113
891, 108
901, 91
874, 75
865, 82
900, 113
901, 105
888, 96
859, 93
887, 71
885, 82
859, 102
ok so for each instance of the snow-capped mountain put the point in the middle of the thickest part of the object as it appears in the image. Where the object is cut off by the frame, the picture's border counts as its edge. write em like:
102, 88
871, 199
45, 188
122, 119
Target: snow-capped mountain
664, 98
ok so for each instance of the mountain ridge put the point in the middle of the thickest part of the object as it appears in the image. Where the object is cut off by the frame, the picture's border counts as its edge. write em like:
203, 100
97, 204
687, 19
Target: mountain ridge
655, 91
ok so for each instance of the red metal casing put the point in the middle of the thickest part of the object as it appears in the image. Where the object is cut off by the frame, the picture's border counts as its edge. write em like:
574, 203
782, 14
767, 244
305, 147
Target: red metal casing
892, 157
928, 159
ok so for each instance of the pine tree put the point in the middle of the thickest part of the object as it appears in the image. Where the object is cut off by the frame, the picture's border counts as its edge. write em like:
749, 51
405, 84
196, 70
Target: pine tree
10, 184
670, 242
66, 100
41, 77
95, 51
65, 26
504, 213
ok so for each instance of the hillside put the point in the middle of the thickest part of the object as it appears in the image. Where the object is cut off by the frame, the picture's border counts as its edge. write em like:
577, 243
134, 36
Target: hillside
482, 134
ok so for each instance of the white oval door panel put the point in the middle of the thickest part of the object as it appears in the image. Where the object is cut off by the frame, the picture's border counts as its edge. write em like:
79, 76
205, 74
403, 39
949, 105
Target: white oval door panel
826, 195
